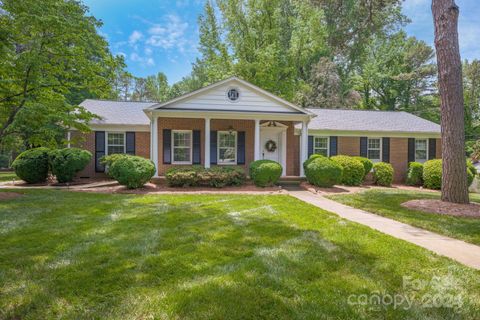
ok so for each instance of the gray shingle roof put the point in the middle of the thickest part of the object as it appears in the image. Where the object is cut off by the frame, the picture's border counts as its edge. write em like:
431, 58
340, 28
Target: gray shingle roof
118, 112
374, 121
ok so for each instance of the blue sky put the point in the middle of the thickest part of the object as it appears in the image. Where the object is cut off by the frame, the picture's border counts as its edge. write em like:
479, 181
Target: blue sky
160, 35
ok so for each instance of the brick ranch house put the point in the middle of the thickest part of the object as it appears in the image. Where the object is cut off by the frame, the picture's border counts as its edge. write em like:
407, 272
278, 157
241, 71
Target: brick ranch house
233, 122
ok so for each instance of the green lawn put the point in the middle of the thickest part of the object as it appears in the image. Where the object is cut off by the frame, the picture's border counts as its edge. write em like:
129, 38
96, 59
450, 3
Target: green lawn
388, 203
7, 176
97, 256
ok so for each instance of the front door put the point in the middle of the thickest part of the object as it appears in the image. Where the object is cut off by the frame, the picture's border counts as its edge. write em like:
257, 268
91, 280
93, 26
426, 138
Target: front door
270, 141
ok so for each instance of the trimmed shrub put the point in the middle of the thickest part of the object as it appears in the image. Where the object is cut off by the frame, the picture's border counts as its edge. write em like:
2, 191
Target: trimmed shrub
107, 161
185, 176
415, 174
323, 172
311, 158
471, 167
4, 161
32, 165
132, 171
383, 174
265, 172
367, 164
353, 170
67, 162
432, 174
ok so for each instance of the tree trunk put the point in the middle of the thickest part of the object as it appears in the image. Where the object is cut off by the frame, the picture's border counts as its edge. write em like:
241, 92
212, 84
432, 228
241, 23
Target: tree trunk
454, 177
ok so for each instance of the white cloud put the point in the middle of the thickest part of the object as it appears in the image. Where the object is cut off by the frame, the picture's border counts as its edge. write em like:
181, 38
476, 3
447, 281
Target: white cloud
135, 37
170, 34
143, 61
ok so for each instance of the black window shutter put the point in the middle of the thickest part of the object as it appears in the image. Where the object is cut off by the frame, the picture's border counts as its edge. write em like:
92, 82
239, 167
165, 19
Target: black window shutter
130, 143
310, 146
241, 147
167, 146
411, 150
99, 150
196, 147
432, 149
333, 146
364, 147
386, 149
213, 147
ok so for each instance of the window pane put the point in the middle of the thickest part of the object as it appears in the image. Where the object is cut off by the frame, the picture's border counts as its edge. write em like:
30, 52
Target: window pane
420, 155
181, 154
373, 143
227, 146
421, 144
226, 155
226, 139
323, 152
374, 154
181, 139
115, 149
116, 138
321, 142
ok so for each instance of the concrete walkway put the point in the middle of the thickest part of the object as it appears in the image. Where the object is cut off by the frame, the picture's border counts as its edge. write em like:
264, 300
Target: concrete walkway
466, 253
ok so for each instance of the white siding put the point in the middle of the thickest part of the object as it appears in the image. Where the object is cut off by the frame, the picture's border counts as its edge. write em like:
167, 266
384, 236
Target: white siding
216, 99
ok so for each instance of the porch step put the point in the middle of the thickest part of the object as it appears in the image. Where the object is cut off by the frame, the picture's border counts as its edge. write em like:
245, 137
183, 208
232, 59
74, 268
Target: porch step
290, 181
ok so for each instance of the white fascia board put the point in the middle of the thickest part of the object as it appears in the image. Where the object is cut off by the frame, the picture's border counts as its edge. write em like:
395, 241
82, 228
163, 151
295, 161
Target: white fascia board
120, 127
231, 115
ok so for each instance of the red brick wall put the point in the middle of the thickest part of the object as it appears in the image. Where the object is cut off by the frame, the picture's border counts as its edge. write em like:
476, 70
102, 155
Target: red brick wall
399, 158
87, 142
224, 124
349, 146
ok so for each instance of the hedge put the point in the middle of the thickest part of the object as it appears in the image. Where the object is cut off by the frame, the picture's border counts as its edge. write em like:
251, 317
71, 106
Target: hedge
32, 165
132, 171
310, 159
367, 164
66, 163
323, 172
415, 174
217, 177
383, 174
353, 170
265, 172
107, 161
432, 174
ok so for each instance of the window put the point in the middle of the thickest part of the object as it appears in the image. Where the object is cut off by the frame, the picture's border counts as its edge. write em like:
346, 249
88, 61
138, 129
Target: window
227, 147
320, 145
115, 142
374, 150
182, 146
421, 150
233, 94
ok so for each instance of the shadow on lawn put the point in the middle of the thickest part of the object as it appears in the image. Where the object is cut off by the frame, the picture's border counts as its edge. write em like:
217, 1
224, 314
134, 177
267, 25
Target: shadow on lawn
213, 258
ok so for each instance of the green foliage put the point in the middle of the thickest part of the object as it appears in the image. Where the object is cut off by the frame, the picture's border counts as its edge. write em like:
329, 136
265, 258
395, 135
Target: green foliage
32, 165
4, 161
217, 177
311, 158
132, 171
66, 163
383, 174
432, 174
52, 58
353, 170
265, 172
415, 174
323, 172
107, 161
367, 164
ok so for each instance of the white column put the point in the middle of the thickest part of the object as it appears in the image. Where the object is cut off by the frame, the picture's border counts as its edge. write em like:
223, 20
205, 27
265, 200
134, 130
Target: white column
154, 140
303, 147
207, 143
256, 145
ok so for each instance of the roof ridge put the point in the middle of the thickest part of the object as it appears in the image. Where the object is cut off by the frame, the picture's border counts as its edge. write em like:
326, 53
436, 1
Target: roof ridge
362, 110
122, 101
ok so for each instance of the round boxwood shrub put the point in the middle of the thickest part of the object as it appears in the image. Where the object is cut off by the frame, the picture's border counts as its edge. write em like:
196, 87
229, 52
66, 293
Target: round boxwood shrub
66, 163
415, 174
132, 171
265, 172
311, 158
367, 164
32, 165
432, 174
353, 170
383, 174
323, 172
107, 161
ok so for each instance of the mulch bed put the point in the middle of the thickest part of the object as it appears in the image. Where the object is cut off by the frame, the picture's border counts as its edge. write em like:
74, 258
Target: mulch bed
9, 195
437, 206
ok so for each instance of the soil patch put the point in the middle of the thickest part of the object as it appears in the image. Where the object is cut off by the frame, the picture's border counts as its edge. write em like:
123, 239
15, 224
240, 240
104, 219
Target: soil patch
9, 195
437, 206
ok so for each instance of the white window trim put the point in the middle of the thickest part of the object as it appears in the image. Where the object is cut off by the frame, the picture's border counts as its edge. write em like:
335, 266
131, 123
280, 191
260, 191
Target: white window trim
426, 151
328, 144
218, 149
381, 149
173, 147
124, 141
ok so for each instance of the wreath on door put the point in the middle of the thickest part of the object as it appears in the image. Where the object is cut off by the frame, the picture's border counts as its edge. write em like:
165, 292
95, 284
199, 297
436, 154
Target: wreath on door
271, 146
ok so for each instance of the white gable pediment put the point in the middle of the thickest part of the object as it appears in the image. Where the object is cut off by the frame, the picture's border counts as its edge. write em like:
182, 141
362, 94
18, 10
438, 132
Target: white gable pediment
214, 98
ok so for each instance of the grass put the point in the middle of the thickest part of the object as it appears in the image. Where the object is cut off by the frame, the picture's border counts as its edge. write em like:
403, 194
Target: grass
7, 176
388, 203
82, 255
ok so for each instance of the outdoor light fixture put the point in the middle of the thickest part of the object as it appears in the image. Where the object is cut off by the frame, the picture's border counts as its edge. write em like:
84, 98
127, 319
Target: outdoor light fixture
230, 130
272, 123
